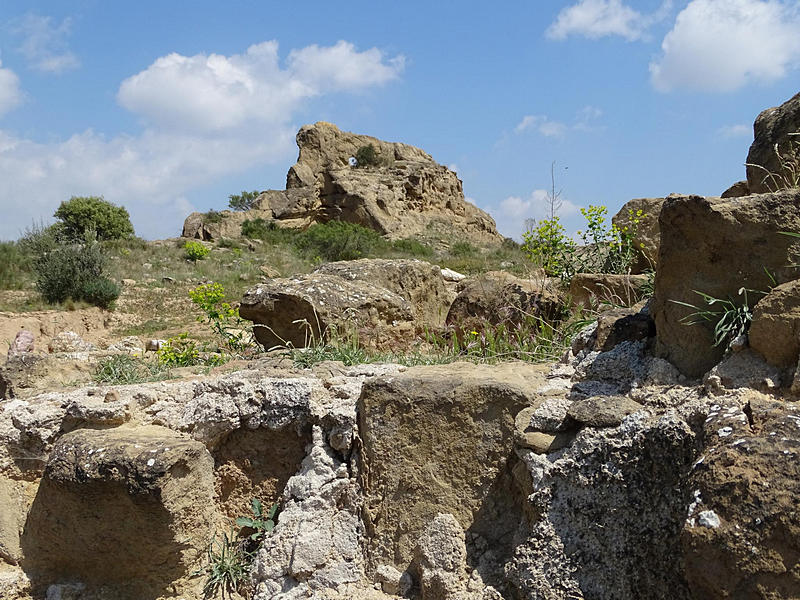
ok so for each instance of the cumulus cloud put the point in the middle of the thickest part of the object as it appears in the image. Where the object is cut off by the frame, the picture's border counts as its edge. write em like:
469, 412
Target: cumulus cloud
205, 117
44, 43
723, 45
601, 18
10, 93
735, 131
542, 124
216, 93
514, 213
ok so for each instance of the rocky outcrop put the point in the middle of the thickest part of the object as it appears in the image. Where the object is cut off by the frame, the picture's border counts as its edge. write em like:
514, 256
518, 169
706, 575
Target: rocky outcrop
387, 300
718, 246
398, 198
647, 237
772, 127
499, 297
775, 329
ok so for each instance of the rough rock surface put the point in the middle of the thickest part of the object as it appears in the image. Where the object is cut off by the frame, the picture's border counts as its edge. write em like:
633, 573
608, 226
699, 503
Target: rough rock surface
499, 297
623, 325
145, 490
718, 246
591, 289
398, 199
771, 127
303, 309
648, 234
775, 329
437, 439
22, 344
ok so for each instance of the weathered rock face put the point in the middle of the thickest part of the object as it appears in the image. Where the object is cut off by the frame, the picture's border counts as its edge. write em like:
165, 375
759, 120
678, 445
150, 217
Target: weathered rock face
775, 329
742, 535
718, 246
438, 440
389, 299
648, 234
145, 490
498, 297
399, 199
771, 127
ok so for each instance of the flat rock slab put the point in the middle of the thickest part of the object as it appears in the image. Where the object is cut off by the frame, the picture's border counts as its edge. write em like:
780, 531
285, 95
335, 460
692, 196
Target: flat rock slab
602, 411
128, 508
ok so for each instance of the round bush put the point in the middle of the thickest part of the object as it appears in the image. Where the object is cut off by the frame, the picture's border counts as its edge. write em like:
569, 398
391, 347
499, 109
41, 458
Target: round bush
195, 250
79, 214
101, 292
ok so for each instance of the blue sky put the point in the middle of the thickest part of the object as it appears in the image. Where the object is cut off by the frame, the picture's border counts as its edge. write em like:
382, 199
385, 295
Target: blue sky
167, 108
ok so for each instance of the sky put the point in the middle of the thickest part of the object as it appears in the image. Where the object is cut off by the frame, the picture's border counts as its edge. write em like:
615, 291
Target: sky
169, 107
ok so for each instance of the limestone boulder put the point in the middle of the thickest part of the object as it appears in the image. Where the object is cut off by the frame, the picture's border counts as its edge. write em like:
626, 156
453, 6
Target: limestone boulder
742, 535
420, 283
22, 344
717, 246
438, 440
623, 325
775, 329
737, 190
499, 297
301, 310
648, 234
592, 289
772, 127
139, 495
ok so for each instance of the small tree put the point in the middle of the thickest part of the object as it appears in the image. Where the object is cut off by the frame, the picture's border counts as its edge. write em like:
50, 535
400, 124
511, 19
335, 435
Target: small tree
367, 156
243, 201
80, 214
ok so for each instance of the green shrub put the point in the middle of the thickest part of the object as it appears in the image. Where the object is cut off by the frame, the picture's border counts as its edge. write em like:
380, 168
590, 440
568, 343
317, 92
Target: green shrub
101, 292
338, 240
195, 250
69, 270
15, 266
548, 245
213, 216
463, 249
82, 213
258, 229
243, 201
413, 247
367, 156
178, 351
236, 333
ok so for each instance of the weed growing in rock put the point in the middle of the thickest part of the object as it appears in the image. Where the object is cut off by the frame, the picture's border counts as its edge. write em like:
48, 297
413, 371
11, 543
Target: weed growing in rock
228, 566
730, 319
178, 351
195, 251
224, 319
788, 174
367, 156
260, 524
548, 245
213, 216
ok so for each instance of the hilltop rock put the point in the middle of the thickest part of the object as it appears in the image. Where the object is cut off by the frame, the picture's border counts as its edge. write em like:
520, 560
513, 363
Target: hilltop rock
771, 127
399, 198
718, 246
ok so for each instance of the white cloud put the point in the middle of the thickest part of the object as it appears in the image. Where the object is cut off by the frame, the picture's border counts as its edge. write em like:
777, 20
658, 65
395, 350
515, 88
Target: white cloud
44, 43
512, 213
600, 18
10, 93
722, 45
217, 93
735, 131
542, 124
237, 114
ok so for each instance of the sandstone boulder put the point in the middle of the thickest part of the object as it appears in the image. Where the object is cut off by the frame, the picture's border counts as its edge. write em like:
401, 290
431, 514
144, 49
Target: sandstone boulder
737, 190
623, 325
648, 235
717, 246
499, 297
303, 309
398, 198
775, 329
22, 344
437, 440
772, 127
139, 495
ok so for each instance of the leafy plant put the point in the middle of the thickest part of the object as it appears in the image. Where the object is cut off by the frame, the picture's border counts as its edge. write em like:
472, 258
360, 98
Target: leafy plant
195, 250
367, 156
261, 523
228, 566
548, 245
223, 318
101, 292
730, 319
178, 351
15, 266
213, 216
82, 213
339, 240
243, 201
413, 247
